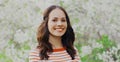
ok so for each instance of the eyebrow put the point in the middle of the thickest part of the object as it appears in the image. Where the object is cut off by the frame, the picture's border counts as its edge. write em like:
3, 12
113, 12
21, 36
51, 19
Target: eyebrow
61, 18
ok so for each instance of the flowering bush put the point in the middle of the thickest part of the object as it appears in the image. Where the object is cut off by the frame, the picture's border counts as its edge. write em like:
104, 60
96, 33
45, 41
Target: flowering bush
113, 55
107, 51
96, 25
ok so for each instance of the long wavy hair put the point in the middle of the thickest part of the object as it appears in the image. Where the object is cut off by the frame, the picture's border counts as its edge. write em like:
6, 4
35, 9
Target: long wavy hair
43, 36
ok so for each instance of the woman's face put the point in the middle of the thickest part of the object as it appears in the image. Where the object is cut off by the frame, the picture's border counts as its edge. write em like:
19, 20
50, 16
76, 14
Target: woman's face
57, 23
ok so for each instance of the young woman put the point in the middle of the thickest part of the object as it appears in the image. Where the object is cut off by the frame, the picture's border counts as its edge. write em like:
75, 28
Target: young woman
55, 38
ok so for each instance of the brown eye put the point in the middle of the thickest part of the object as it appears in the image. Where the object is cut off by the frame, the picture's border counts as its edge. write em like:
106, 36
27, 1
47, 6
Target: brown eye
63, 20
54, 20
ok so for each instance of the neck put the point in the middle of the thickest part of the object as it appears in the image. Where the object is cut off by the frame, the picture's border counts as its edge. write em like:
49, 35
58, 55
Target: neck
55, 41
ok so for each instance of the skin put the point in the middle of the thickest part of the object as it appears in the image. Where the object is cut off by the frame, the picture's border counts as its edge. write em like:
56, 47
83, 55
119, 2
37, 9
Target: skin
57, 26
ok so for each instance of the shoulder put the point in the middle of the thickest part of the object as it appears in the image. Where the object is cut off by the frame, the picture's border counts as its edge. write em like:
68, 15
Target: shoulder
77, 56
76, 49
34, 52
34, 55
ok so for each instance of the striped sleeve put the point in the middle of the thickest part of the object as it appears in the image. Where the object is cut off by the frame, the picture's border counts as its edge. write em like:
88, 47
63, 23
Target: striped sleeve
77, 57
34, 56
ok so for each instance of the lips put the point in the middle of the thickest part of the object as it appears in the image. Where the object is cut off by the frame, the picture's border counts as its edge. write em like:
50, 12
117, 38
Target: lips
59, 29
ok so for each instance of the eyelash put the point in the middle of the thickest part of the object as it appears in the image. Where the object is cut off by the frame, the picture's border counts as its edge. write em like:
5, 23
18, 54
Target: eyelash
56, 20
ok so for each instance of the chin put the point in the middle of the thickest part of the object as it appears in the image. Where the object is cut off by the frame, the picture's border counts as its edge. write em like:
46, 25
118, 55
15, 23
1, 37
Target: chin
58, 35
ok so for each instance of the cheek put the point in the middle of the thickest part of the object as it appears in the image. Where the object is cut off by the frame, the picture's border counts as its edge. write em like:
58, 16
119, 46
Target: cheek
66, 25
50, 25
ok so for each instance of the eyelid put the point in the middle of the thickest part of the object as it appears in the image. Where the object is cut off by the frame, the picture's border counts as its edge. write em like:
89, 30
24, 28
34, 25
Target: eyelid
54, 20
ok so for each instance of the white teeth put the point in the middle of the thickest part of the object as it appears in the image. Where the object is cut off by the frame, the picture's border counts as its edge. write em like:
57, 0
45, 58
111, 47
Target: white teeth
60, 29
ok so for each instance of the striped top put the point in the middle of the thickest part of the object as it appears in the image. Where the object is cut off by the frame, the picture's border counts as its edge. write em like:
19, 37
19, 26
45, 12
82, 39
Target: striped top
58, 55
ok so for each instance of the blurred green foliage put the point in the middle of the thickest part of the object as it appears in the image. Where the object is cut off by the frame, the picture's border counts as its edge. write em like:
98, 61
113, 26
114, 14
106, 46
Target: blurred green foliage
3, 57
107, 44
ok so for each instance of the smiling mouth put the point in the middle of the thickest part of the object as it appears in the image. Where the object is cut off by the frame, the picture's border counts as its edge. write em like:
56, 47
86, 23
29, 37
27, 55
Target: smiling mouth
59, 29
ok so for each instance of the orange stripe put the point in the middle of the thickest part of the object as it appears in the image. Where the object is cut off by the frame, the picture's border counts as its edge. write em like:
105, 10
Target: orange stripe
60, 58
58, 50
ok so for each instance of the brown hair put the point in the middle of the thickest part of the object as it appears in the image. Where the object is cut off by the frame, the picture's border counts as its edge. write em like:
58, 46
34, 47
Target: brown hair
43, 36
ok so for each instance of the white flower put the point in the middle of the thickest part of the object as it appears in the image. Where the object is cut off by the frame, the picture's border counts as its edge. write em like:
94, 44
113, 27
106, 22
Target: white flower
20, 36
86, 50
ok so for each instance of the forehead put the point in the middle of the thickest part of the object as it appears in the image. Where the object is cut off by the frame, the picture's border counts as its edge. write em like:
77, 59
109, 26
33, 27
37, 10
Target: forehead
57, 13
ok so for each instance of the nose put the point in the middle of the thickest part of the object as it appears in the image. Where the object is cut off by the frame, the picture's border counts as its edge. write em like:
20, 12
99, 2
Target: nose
59, 22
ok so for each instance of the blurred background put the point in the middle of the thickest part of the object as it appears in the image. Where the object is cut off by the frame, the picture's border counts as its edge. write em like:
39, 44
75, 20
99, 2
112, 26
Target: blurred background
96, 24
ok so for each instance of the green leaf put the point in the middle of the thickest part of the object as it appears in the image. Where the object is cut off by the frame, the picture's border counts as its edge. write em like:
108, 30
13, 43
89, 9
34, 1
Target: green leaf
26, 47
10, 42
